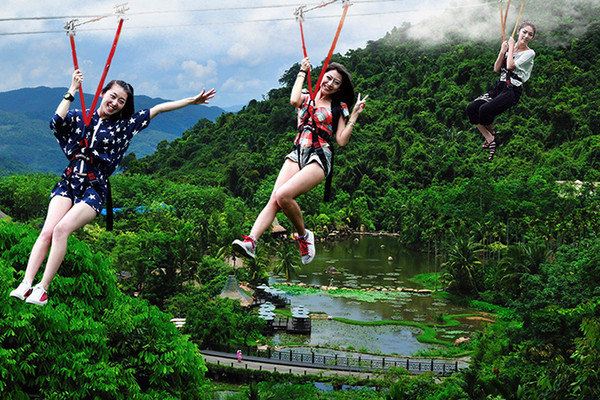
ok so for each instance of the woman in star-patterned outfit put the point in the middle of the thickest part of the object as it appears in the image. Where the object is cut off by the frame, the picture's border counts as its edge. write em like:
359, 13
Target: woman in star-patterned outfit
94, 152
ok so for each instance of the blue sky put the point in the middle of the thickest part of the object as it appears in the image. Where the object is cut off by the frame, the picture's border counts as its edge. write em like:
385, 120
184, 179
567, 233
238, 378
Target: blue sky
172, 50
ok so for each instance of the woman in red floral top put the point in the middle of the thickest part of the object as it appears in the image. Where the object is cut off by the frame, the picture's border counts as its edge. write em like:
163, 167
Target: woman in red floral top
320, 122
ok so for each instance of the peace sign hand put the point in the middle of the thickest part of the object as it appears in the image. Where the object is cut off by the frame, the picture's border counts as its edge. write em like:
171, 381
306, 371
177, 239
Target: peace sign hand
360, 105
204, 97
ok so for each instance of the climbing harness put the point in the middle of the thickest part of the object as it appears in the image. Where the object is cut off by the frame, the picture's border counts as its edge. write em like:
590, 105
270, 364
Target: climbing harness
309, 120
85, 156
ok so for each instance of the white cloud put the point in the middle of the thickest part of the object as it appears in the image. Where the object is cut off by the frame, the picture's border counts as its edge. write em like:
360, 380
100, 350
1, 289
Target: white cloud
174, 60
241, 86
195, 76
239, 52
148, 88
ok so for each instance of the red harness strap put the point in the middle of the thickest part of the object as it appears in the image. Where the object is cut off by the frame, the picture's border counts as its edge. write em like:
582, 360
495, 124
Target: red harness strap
87, 117
313, 92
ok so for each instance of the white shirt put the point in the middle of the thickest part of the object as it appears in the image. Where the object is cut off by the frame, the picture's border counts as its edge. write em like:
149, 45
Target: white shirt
523, 66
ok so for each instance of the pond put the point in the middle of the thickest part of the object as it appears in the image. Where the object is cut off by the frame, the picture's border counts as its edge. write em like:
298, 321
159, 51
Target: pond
363, 262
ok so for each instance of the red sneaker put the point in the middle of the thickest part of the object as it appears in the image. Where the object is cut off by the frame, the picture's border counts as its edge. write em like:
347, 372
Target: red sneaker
38, 296
246, 248
22, 291
306, 245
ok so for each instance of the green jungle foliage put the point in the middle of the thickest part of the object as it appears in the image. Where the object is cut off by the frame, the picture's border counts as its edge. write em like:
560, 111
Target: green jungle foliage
413, 159
509, 234
92, 341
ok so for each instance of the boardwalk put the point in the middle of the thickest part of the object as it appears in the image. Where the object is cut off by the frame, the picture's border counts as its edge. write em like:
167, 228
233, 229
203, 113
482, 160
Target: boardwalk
265, 364
290, 362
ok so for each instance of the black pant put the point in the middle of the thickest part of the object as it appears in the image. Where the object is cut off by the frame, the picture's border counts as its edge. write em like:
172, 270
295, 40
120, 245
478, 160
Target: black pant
500, 98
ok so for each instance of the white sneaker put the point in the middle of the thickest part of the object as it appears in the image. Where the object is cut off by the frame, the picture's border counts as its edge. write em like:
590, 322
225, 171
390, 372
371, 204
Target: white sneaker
22, 291
246, 248
38, 296
307, 247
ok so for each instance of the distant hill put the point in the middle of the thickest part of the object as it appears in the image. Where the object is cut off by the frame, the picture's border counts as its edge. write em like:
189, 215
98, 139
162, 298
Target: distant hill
28, 144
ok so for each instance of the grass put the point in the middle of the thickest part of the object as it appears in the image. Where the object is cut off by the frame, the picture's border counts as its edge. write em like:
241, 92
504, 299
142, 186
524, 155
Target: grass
446, 352
429, 332
429, 280
503, 312
283, 312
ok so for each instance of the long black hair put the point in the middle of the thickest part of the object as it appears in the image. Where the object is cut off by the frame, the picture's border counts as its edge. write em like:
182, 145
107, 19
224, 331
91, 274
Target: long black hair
529, 24
128, 109
346, 92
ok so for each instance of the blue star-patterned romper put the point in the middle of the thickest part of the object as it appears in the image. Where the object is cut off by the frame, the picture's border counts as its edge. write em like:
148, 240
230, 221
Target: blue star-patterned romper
94, 153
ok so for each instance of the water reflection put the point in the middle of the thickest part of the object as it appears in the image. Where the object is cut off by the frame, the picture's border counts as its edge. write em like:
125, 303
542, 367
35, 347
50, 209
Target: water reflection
362, 264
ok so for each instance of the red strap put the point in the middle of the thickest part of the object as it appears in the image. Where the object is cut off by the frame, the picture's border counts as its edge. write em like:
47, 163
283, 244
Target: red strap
312, 92
306, 55
76, 66
87, 117
105, 72
333, 44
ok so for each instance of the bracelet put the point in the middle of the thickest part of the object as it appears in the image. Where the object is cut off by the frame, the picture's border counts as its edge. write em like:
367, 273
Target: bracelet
351, 123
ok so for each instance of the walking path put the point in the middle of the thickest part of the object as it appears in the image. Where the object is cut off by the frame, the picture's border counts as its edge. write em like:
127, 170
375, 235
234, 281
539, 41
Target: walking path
299, 367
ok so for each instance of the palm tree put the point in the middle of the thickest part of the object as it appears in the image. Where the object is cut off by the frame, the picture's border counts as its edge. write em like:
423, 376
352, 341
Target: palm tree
285, 264
462, 266
522, 259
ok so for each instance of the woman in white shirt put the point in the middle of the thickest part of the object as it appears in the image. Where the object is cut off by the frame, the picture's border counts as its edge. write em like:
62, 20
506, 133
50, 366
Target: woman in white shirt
514, 63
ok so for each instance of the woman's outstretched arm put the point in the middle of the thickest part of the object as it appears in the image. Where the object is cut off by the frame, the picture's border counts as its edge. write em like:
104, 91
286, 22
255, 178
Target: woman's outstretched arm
202, 98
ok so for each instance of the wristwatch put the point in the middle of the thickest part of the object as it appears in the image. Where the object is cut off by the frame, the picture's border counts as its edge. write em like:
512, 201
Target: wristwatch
68, 96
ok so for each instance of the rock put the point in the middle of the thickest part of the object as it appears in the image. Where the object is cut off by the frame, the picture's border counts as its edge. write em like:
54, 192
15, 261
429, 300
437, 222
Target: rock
461, 340
332, 270
302, 284
333, 288
384, 290
356, 240
427, 291
382, 246
390, 258
329, 317
323, 287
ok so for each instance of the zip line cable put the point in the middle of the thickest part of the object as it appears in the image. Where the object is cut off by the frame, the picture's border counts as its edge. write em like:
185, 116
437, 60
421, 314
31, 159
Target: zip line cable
291, 5
283, 19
